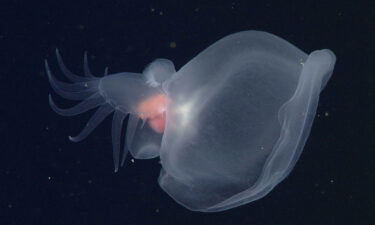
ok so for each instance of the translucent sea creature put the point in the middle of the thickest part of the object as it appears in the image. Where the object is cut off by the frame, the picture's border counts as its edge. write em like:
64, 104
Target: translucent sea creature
228, 126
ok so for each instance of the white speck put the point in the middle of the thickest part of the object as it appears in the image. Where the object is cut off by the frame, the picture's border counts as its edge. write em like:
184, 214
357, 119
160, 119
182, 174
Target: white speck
172, 44
132, 160
331, 181
49, 178
326, 113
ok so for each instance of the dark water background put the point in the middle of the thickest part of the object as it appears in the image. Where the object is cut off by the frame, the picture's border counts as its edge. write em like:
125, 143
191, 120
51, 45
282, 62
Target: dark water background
47, 180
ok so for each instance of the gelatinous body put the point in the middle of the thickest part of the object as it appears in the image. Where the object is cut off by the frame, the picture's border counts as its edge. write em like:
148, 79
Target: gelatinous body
228, 126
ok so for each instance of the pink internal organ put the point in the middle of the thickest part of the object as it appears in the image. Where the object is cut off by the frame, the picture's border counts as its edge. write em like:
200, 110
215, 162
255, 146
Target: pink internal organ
153, 110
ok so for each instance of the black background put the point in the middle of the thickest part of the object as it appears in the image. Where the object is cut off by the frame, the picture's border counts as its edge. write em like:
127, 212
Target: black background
46, 179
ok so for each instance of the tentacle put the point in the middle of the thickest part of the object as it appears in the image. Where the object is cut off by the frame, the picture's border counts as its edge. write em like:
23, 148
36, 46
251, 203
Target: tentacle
95, 120
130, 131
71, 76
117, 121
86, 68
71, 91
143, 123
106, 71
90, 103
76, 87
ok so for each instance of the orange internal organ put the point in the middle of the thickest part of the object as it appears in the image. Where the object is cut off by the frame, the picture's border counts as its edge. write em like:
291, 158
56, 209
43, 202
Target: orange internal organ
153, 110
